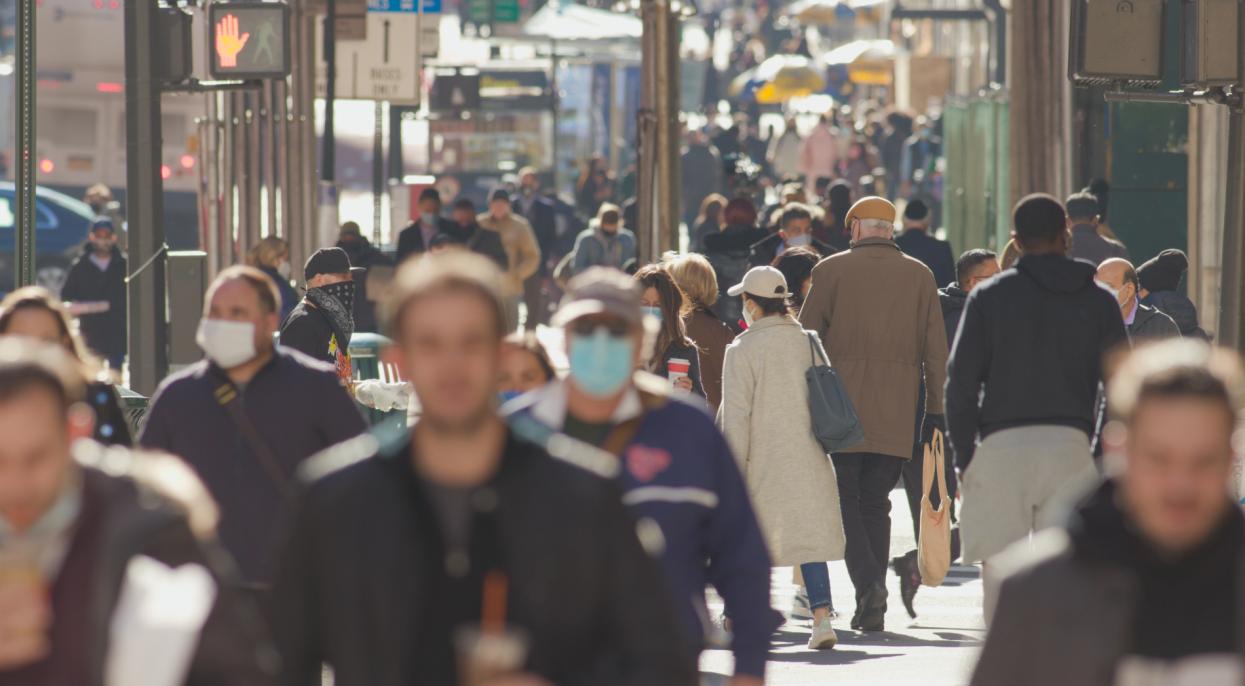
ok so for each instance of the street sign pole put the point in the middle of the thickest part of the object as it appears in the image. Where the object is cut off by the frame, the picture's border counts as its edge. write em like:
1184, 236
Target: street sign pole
24, 274
148, 326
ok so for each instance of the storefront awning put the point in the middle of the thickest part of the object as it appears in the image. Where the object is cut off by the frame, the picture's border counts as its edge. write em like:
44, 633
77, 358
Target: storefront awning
572, 22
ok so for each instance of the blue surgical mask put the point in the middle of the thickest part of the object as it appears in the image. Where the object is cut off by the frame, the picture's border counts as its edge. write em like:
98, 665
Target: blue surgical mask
601, 364
654, 311
506, 396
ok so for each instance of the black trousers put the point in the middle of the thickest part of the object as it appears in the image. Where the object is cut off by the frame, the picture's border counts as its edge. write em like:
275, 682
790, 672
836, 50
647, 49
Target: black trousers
865, 483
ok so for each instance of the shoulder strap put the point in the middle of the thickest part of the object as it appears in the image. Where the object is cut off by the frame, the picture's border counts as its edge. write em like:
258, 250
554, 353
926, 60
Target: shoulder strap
815, 349
227, 397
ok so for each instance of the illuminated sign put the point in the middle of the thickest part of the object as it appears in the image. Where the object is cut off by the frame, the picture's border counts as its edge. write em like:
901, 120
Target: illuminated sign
250, 40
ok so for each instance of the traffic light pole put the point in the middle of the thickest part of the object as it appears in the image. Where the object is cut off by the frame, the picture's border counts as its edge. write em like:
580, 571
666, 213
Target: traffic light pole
148, 318
24, 274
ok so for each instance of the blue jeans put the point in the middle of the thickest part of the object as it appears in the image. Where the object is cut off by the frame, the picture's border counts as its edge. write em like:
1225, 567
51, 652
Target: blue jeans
817, 581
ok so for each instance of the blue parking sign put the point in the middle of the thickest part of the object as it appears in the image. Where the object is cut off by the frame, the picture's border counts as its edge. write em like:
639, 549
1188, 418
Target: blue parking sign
430, 6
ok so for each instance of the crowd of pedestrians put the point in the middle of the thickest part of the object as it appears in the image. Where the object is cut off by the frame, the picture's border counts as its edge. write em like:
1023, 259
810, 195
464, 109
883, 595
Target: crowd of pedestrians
537, 525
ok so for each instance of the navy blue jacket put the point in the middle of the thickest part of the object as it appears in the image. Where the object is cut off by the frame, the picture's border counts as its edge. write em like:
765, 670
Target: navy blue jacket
932, 252
297, 407
677, 471
544, 220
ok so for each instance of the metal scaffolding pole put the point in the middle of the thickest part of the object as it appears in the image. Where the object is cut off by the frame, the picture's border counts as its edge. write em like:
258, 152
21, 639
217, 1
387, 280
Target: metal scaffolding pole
148, 317
1232, 277
25, 187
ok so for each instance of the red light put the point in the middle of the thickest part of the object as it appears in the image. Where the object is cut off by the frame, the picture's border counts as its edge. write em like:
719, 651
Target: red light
99, 4
188, 161
165, 172
110, 87
114, 5
46, 166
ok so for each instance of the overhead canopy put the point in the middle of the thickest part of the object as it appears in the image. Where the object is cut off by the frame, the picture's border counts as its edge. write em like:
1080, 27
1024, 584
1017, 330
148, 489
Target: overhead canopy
867, 61
778, 79
573, 22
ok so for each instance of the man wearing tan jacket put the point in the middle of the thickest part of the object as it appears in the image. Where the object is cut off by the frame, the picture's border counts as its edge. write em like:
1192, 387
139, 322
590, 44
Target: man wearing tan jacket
522, 250
877, 311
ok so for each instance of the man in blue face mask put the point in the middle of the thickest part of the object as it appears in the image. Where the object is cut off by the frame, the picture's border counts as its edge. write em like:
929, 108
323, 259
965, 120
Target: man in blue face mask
675, 469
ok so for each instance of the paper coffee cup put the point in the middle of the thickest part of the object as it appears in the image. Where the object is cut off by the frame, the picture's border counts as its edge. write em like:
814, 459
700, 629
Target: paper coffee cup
677, 368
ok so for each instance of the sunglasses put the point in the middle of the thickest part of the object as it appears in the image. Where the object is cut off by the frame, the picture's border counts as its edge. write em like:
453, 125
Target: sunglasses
587, 327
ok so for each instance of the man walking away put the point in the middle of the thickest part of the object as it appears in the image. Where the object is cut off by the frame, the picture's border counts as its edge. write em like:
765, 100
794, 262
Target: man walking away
540, 213
98, 276
417, 237
917, 242
1087, 243
675, 468
877, 311
1119, 278
245, 417
321, 325
522, 251
363, 256
972, 269
1023, 379
784, 151
1160, 280
74, 515
423, 535
1145, 583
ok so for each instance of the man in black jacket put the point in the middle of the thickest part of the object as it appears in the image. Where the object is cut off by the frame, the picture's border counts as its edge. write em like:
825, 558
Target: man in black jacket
98, 275
1024, 378
795, 231
916, 242
420, 536
363, 256
417, 237
1142, 321
464, 230
73, 516
1146, 584
539, 212
972, 269
248, 415
322, 323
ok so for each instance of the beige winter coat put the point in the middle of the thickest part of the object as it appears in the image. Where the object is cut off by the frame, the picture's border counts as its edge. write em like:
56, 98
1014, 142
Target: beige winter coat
765, 417
877, 311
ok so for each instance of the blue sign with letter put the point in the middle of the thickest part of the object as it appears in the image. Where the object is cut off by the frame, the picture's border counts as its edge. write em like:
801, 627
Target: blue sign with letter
430, 6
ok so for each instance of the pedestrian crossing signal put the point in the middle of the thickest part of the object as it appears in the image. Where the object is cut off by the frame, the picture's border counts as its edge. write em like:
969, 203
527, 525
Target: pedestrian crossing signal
250, 40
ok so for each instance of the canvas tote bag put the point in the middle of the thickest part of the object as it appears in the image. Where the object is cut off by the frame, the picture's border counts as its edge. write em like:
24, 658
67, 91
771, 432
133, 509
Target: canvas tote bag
934, 550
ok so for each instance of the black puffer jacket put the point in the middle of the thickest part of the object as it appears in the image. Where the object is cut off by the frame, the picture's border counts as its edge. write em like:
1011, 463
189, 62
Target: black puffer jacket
1035, 338
952, 298
1180, 309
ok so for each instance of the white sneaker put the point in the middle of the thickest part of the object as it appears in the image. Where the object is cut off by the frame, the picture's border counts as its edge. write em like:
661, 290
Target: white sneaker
823, 637
799, 605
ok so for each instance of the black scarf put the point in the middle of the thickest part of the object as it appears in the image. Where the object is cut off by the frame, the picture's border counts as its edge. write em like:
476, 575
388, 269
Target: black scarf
336, 301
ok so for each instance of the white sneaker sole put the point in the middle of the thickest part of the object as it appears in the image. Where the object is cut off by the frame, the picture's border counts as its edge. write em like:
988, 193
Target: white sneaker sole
825, 643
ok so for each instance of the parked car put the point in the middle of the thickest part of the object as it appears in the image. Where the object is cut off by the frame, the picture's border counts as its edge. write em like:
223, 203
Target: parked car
61, 225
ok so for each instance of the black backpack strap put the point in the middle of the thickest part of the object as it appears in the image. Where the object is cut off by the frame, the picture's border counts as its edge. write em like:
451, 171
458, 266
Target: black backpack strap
227, 396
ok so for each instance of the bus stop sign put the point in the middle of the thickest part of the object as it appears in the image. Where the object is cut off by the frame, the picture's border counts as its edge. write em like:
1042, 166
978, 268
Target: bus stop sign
250, 40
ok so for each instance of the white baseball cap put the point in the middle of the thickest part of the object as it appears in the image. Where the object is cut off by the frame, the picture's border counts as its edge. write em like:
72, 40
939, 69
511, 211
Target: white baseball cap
762, 282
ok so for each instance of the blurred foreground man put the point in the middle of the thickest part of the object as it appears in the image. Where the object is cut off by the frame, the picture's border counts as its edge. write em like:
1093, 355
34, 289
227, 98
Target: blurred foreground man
247, 415
459, 546
675, 468
86, 532
1146, 584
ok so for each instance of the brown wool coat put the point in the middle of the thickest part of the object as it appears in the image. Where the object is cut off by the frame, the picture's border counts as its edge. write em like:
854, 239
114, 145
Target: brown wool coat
711, 337
877, 312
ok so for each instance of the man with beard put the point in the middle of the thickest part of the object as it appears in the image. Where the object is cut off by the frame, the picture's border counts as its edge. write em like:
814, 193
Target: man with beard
322, 324
98, 276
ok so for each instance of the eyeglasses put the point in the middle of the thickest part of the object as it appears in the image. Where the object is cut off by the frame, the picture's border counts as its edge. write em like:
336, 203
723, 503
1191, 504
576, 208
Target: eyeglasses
614, 327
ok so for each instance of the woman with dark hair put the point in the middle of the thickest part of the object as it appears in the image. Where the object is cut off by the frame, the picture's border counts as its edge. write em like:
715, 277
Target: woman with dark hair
796, 265
766, 419
709, 221
730, 250
836, 232
674, 356
33, 312
525, 366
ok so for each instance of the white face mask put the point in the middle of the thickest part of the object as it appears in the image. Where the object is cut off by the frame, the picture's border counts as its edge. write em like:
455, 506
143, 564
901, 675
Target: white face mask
800, 240
1106, 287
748, 316
227, 343
284, 269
